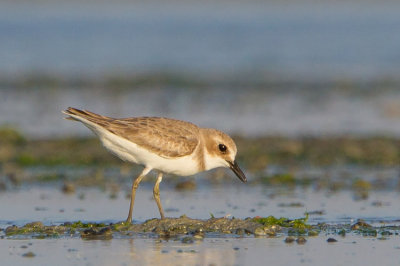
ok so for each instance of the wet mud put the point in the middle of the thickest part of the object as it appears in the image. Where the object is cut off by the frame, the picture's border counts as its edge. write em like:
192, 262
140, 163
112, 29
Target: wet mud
189, 230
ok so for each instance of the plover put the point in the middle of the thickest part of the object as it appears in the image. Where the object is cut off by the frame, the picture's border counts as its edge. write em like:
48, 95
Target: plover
163, 144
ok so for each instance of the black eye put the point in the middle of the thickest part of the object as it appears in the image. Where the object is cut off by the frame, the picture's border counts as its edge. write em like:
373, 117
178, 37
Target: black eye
222, 147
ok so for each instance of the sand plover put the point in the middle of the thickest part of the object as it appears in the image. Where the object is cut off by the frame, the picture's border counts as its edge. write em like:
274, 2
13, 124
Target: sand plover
163, 144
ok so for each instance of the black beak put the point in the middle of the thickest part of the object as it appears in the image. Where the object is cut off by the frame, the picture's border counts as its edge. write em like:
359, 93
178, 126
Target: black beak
235, 168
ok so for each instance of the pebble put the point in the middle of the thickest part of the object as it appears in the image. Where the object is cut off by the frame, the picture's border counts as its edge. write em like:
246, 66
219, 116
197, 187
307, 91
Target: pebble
29, 254
301, 240
95, 233
187, 240
240, 231
68, 188
331, 240
11, 228
199, 234
34, 225
289, 239
312, 233
360, 223
259, 231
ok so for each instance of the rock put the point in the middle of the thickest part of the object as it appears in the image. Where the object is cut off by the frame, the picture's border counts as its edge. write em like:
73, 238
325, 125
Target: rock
240, 231
360, 223
198, 234
187, 240
11, 229
96, 233
289, 239
68, 188
331, 240
34, 225
301, 240
29, 254
260, 231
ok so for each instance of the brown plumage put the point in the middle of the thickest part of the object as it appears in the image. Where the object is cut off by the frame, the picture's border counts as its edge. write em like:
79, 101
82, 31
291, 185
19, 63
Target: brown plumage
167, 141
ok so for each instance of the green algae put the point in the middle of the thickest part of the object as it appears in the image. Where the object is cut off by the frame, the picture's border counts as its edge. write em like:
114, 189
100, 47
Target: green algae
11, 136
271, 220
255, 155
169, 227
25, 159
197, 229
360, 184
300, 223
281, 179
35, 230
342, 232
286, 179
80, 224
313, 233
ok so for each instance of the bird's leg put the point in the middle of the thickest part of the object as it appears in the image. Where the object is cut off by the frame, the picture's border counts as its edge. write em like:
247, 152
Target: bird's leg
156, 194
134, 187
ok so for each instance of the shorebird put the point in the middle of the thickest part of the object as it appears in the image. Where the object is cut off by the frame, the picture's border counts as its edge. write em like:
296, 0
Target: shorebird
163, 144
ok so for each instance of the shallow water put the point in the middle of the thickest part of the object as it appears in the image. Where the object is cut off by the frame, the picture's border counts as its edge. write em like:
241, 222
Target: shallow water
47, 203
51, 206
354, 250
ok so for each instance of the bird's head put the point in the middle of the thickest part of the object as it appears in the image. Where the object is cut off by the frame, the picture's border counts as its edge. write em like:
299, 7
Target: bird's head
221, 152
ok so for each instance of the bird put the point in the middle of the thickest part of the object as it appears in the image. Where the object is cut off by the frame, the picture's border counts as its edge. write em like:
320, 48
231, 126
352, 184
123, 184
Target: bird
168, 146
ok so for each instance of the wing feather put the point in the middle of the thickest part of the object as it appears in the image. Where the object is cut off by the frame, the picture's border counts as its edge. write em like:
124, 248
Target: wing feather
166, 137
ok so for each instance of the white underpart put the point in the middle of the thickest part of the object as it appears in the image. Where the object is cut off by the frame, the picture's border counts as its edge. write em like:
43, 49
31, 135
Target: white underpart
212, 162
129, 151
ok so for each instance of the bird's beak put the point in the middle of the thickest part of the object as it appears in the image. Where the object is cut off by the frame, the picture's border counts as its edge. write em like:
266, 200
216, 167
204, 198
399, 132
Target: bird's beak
235, 168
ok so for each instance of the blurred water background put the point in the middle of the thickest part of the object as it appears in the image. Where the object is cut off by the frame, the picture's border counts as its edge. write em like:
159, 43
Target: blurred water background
247, 67
316, 83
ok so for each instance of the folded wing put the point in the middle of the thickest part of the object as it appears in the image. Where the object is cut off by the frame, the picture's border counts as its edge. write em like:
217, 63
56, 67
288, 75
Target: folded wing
166, 137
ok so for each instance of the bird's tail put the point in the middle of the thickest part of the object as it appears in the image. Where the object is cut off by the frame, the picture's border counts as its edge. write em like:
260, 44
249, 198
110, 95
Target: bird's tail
77, 115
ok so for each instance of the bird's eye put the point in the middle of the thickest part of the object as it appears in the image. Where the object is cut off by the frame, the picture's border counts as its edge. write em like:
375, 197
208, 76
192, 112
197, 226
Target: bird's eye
222, 147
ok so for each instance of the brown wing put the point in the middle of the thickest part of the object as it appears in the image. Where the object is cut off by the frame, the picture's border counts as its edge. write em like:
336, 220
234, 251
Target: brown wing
166, 137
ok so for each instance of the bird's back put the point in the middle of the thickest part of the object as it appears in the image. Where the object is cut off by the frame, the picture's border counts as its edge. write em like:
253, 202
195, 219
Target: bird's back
168, 138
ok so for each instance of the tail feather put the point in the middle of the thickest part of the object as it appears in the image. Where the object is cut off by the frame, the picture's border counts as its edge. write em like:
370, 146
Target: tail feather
77, 115
83, 113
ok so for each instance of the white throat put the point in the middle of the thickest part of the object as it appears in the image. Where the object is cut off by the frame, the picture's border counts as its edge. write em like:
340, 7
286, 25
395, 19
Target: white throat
212, 162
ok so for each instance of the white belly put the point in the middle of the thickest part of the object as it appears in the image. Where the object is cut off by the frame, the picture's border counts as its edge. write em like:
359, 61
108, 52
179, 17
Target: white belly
129, 151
